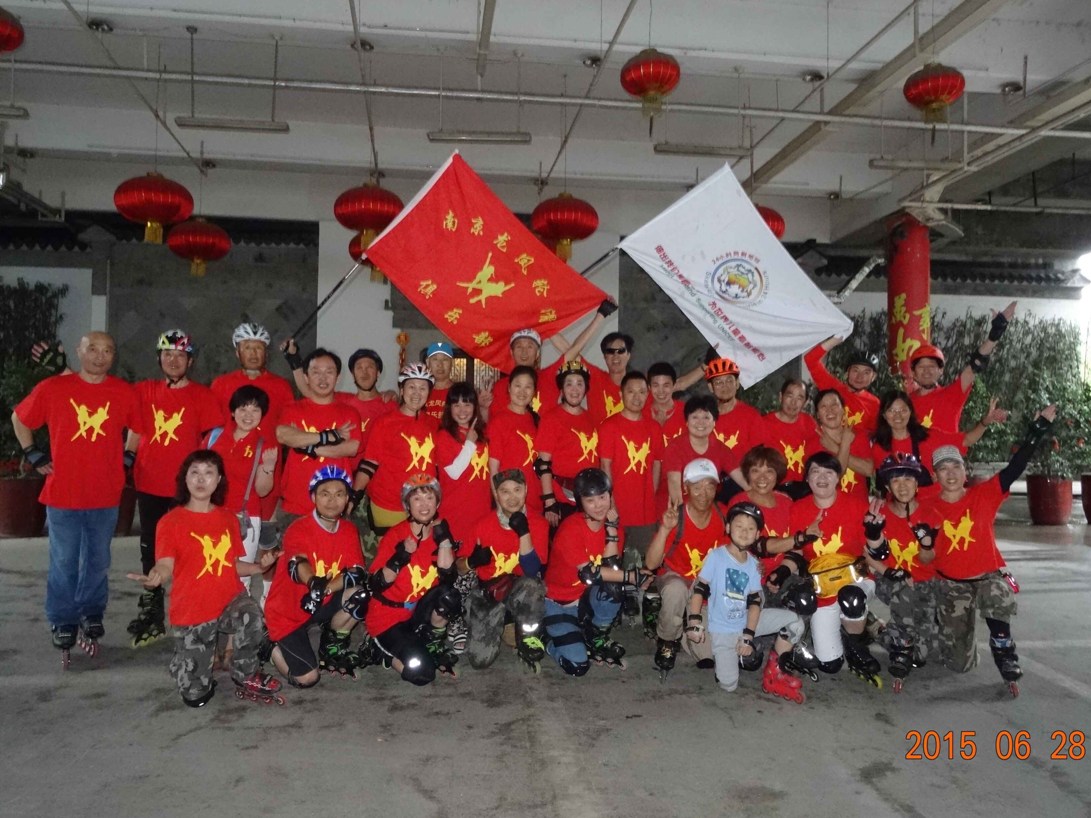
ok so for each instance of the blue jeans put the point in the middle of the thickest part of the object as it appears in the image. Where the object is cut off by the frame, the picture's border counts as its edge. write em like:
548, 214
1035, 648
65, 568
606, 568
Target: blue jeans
563, 623
79, 557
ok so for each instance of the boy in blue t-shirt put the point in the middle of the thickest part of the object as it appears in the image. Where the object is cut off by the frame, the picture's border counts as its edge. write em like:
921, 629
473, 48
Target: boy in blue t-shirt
730, 582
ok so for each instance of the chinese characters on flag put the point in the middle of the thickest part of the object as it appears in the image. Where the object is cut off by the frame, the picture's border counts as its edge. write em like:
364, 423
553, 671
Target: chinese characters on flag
474, 270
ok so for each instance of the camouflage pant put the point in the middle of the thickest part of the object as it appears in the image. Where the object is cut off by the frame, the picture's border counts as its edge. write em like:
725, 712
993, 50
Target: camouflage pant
913, 614
959, 603
195, 647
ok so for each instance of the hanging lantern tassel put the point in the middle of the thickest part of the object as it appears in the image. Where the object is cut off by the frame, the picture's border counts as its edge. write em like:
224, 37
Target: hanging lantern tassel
562, 220
359, 243
200, 242
650, 75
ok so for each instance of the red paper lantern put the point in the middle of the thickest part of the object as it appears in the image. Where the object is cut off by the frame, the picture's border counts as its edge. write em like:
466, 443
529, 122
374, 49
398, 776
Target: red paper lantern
651, 75
933, 90
368, 210
562, 220
154, 200
773, 220
200, 242
11, 31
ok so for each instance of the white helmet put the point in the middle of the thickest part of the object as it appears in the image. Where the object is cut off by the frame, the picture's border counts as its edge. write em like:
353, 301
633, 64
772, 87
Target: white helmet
250, 332
415, 372
525, 333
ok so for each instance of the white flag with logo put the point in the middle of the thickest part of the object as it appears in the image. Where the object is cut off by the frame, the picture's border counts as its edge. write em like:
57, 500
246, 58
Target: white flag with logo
713, 254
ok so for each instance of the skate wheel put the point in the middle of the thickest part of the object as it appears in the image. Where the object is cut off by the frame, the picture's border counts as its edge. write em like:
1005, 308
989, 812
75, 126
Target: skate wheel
239, 694
1013, 688
897, 685
66, 659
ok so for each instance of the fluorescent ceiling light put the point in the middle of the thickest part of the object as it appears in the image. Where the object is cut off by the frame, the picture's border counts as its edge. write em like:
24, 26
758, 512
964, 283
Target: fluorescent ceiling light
914, 164
481, 137
215, 123
14, 112
681, 149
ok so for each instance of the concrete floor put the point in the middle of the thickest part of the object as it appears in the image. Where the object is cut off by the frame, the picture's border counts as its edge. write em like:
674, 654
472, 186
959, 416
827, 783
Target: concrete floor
111, 737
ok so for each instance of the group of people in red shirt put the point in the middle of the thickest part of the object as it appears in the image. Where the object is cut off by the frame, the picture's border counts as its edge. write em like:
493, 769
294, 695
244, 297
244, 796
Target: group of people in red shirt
529, 514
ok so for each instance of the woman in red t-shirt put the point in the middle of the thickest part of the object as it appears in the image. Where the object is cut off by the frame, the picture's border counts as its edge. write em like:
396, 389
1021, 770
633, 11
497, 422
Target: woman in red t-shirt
851, 446
198, 545
511, 433
462, 453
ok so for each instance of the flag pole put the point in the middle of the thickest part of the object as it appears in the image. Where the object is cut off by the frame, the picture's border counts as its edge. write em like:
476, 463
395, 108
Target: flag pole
598, 263
307, 321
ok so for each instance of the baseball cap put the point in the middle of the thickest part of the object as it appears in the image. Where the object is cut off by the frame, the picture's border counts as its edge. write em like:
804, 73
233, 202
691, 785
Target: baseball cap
515, 475
946, 454
439, 348
525, 333
700, 469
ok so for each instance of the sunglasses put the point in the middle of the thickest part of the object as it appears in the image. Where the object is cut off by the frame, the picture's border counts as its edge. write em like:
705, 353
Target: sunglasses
613, 351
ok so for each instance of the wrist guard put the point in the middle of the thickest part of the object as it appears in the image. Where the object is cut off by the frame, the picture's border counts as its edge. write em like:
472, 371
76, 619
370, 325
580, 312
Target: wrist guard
543, 467
479, 557
36, 457
879, 552
441, 532
802, 539
925, 534
294, 359
873, 528
1035, 431
293, 566
519, 523
399, 559
694, 624
978, 362
999, 324
306, 451
607, 308
53, 360
316, 592
328, 437
896, 574
761, 546
589, 573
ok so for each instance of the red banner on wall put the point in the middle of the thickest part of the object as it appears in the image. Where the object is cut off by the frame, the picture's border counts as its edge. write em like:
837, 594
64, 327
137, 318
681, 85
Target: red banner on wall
474, 270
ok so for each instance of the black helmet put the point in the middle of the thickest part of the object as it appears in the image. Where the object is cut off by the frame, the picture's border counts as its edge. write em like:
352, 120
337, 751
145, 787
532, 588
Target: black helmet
750, 510
899, 464
864, 357
591, 483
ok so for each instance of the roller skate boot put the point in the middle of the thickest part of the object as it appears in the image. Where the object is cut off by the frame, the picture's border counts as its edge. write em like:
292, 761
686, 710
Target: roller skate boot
334, 655
530, 647
259, 687
91, 630
601, 649
859, 658
776, 682
149, 624
64, 637
649, 613
1007, 662
666, 652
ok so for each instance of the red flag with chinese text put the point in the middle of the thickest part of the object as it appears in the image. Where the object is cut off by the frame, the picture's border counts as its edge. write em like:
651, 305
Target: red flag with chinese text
475, 271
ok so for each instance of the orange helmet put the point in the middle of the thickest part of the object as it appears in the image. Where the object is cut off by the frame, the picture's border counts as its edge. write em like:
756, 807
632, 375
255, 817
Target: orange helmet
926, 351
720, 366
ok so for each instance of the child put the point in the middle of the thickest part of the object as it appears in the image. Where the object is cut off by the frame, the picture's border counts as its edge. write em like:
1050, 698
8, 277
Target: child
730, 582
198, 545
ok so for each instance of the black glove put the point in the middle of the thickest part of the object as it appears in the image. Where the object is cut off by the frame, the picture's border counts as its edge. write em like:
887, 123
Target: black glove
36, 457
399, 559
519, 523
873, 527
589, 574
294, 359
802, 539
316, 592
999, 324
293, 566
896, 574
607, 308
52, 358
480, 557
925, 534
778, 575
441, 532
329, 437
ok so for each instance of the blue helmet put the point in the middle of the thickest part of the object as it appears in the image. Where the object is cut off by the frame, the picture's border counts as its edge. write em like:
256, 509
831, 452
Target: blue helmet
327, 473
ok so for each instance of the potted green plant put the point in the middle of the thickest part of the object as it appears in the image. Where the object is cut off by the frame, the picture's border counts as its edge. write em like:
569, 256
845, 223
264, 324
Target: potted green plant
21, 515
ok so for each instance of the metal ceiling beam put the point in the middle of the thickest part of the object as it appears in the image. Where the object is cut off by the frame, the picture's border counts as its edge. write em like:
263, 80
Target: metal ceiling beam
484, 36
962, 19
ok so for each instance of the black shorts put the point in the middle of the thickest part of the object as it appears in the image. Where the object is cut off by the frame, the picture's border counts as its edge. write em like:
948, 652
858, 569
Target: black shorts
296, 646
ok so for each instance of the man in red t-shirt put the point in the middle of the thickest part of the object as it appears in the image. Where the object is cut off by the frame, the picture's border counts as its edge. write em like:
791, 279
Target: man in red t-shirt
738, 424
318, 431
861, 406
87, 414
174, 415
959, 542
662, 406
699, 441
940, 407
251, 342
440, 360
684, 537
366, 366
567, 442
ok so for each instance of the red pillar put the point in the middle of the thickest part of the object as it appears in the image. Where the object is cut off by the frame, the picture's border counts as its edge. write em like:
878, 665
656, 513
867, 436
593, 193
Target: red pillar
908, 292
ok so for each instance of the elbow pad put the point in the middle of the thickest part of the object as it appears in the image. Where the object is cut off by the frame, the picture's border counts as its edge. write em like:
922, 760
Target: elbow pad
367, 467
701, 589
978, 362
753, 599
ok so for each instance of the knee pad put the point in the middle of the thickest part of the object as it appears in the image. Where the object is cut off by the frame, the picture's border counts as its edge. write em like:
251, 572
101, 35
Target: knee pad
832, 666
801, 599
572, 668
201, 701
853, 602
418, 669
793, 631
296, 683
753, 661
778, 575
355, 604
793, 559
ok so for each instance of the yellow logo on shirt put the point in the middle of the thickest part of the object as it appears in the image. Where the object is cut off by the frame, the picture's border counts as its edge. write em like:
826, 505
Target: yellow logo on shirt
637, 457
848, 480
90, 422
529, 440
828, 546
926, 421
730, 442
422, 580
904, 556
851, 419
420, 451
502, 564
215, 554
480, 462
612, 406
323, 570
960, 537
165, 427
793, 456
695, 561
588, 445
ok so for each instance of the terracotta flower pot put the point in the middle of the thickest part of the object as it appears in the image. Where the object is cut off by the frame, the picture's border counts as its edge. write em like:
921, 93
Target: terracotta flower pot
21, 515
1050, 499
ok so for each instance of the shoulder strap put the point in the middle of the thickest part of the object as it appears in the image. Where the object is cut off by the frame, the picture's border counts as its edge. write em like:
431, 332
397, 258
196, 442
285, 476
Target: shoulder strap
213, 436
253, 474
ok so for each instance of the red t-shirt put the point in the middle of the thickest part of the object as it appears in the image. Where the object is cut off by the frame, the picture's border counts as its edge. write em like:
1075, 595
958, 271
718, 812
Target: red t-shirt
238, 457
504, 544
673, 424
941, 408
842, 528
632, 446
402, 445
904, 548
574, 545
308, 416
410, 584
277, 388
686, 556
739, 431
433, 407
797, 440
171, 424
777, 523
572, 440
511, 445
861, 408
329, 552
544, 399
204, 547
87, 423
368, 410
966, 543
852, 482
468, 497
604, 396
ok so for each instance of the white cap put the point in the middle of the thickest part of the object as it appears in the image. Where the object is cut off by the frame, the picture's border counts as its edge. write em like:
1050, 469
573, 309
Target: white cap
700, 469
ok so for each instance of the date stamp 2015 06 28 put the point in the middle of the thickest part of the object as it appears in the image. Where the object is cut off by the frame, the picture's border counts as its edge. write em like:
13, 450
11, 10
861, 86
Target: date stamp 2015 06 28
931, 745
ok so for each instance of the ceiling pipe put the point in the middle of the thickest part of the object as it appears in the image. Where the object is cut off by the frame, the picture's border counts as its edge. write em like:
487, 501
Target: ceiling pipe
484, 37
1056, 210
329, 86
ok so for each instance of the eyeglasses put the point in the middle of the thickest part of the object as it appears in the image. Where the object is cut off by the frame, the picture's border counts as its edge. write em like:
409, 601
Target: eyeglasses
613, 351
